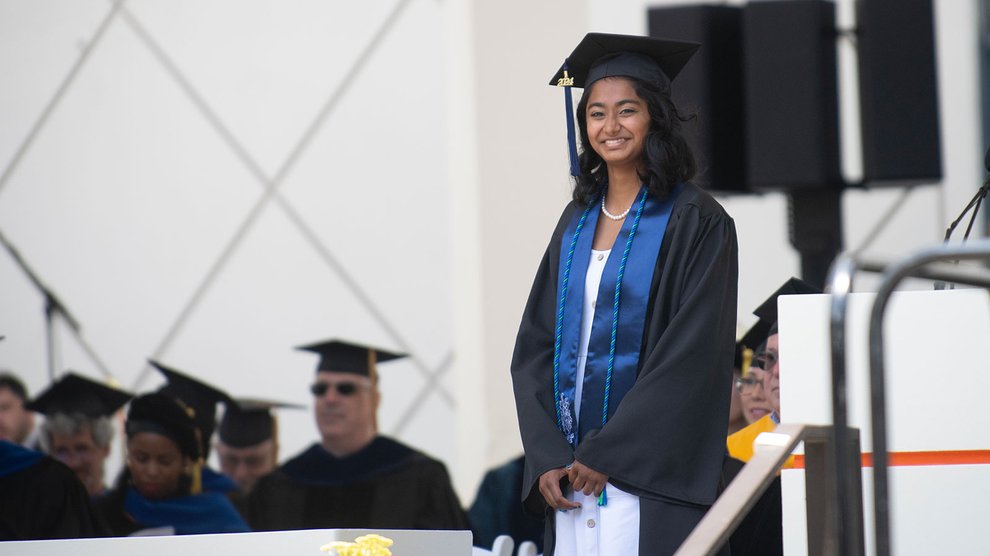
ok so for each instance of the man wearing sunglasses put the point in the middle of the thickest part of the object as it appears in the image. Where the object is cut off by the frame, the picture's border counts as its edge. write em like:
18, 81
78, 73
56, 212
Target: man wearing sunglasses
354, 477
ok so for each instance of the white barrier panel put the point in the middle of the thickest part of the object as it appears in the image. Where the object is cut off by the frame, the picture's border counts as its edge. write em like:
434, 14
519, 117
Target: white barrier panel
938, 412
281, 543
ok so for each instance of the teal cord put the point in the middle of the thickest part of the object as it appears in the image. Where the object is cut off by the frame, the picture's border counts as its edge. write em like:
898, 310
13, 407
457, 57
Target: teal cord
560, 316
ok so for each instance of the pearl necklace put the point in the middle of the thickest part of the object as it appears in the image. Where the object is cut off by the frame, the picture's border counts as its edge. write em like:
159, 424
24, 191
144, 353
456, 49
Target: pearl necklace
611, 216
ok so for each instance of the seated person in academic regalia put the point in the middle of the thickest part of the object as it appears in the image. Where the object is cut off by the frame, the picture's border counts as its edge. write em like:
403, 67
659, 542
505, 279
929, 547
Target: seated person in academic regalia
247, 441
16, 421
740, 444
41, 498
497, 509
761, 531
354, 478
202, 398
78, 430
751, 387
737, 413
159, 490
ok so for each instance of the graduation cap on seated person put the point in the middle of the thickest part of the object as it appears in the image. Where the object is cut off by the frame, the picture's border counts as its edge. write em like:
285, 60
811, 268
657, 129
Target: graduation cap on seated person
767, 311
74, 394
755, 338
249, 422
198, 395
163, 414
340, 356
600, 55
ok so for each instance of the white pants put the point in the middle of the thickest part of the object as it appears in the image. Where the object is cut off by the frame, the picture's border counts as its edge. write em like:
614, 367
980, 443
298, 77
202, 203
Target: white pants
593, 530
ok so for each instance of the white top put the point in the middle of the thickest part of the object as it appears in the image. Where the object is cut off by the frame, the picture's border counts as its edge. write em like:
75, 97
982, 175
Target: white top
593, 530
592, 280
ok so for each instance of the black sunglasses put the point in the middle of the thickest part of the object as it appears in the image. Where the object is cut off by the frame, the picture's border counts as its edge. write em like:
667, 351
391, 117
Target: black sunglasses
767, 360
343, 388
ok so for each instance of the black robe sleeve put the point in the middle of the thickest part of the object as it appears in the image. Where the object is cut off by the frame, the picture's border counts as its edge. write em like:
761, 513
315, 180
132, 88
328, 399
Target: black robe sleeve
532, 375
46, 501
666, 439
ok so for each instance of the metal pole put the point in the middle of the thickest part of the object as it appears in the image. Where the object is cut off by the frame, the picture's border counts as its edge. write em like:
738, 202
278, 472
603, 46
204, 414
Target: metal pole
839, 285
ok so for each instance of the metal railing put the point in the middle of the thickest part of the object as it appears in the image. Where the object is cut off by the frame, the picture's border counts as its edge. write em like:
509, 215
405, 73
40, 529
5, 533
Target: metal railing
833, 480
771, 451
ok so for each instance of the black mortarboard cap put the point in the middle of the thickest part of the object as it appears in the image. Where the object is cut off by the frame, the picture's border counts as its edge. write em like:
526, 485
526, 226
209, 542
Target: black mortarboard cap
767, 311
74, 394
248, 422
348, 357
650, 59
756, 335
163, 414
198, 395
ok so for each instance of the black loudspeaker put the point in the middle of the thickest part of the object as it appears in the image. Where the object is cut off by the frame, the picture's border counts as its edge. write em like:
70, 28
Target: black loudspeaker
792, 113
710, 89
898, 92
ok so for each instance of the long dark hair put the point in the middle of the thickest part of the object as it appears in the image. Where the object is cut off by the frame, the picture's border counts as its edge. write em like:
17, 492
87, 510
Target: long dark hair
667, 156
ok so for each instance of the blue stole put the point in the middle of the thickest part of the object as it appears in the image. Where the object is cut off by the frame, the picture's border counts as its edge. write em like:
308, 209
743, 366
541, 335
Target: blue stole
620, 313
15, 458
209, 512
213, 481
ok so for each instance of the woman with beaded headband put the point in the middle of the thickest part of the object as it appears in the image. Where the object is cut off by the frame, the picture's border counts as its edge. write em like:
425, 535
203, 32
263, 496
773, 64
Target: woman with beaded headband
623, 360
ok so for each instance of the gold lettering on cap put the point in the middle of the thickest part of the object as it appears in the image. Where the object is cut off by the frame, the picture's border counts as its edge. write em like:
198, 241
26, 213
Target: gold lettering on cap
565, 81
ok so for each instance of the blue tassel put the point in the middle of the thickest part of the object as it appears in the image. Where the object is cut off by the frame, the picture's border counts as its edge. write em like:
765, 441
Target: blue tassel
571, 136
602, 499
569, 115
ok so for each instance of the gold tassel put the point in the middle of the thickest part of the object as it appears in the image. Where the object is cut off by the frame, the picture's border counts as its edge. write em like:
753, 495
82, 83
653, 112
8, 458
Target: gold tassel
373, 367
747, 360
197, 477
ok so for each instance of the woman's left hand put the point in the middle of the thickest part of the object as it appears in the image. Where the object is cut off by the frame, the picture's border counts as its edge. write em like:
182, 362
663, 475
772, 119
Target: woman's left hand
586, 479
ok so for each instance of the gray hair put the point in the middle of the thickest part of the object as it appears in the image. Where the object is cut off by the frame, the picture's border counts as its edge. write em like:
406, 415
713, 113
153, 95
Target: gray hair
71, 424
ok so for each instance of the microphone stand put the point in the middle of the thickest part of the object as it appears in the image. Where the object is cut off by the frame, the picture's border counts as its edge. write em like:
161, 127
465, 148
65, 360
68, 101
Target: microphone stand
53, 308
974, 204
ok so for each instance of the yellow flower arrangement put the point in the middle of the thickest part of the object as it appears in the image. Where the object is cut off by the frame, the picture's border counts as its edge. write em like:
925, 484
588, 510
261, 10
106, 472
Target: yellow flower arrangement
367, 545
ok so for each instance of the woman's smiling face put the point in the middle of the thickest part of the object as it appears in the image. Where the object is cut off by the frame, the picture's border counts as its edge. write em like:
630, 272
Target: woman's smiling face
156, 465
617, 121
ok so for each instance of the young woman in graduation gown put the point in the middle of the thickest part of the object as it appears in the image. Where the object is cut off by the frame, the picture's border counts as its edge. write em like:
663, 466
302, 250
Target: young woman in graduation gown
160, 488
623, 360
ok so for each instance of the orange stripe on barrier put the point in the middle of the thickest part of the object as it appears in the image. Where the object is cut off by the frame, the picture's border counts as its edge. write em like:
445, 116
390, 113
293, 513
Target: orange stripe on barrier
904, 459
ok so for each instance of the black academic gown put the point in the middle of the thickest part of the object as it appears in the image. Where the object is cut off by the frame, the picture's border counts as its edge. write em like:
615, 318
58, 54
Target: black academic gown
43, 501
387, 485
666, 440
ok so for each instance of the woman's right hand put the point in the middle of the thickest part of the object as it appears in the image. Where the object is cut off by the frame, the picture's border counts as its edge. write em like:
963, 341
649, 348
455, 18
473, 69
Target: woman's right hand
550, 489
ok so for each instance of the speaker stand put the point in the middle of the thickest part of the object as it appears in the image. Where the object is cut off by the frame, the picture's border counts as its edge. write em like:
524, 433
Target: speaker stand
815, 227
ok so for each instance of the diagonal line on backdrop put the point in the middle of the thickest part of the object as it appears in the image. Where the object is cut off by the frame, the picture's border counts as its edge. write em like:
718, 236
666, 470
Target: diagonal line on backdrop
349, 77
355, 288
272, 185
63, 87
196, 98
432, 382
